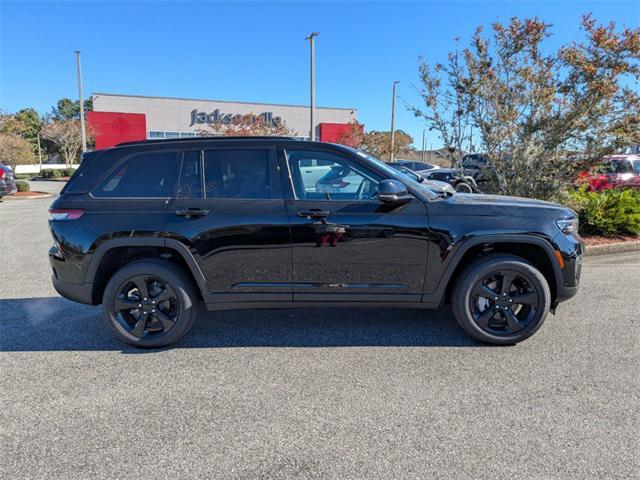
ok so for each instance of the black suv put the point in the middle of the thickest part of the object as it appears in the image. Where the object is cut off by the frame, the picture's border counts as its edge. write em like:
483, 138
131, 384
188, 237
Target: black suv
154, 229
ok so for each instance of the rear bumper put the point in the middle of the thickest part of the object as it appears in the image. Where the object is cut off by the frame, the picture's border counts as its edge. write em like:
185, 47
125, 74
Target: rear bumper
8, 190
78, 293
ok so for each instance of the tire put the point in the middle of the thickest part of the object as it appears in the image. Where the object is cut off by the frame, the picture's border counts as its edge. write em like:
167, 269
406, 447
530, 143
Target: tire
478, 297
171, 318
463, 187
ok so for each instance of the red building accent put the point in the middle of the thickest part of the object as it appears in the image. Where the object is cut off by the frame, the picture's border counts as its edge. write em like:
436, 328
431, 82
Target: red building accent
111, 128
331, 132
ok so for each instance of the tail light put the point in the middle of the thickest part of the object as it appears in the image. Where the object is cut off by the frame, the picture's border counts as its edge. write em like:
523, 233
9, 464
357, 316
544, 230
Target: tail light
1, 172
65, 214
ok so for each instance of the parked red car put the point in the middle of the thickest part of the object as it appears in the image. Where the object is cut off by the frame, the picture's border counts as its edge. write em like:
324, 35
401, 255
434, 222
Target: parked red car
615, 171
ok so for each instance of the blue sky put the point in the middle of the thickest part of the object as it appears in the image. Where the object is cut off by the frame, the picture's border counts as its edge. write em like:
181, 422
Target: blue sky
254, 51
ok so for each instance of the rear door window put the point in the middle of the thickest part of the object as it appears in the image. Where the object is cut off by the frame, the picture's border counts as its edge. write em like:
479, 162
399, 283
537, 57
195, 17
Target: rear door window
190, 182
145, 175
238, 173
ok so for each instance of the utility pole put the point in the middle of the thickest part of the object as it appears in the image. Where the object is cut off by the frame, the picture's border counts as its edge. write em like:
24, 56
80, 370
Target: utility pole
82, 126
39, 152
424, 144
312, 130
393, 118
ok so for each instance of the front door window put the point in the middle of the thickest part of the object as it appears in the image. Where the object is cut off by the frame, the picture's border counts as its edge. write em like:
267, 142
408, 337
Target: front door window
320, 175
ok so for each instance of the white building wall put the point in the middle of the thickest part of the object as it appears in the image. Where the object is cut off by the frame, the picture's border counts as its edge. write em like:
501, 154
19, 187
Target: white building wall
174, 114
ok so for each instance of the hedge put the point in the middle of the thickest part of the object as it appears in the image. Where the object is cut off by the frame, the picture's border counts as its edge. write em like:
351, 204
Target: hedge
23, 186
609, 213
52, 173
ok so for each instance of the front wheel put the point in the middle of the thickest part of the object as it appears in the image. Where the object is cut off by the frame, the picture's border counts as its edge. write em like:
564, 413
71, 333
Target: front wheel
463, 187
501, 299
150, 304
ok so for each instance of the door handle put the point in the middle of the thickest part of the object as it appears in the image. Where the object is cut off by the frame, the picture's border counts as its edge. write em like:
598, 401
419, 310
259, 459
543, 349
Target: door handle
314, 213
191, 212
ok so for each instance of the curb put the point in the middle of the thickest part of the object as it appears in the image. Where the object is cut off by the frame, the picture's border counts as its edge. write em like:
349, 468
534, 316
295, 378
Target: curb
28, 197
619, 247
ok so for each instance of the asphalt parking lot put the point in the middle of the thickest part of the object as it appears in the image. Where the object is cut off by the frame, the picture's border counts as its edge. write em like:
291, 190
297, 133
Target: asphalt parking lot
313, 393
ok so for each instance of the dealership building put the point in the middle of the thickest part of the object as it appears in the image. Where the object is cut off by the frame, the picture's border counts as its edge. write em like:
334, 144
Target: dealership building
122, 118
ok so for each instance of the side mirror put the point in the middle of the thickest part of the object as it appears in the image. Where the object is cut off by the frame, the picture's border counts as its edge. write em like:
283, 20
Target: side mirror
393, 192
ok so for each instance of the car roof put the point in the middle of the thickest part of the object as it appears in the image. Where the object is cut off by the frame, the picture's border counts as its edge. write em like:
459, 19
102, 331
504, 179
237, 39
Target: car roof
200, 139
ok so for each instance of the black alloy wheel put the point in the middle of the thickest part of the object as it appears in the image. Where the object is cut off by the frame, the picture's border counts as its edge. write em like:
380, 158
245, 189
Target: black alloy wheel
500, 298
150, 303
147, 306
504, 302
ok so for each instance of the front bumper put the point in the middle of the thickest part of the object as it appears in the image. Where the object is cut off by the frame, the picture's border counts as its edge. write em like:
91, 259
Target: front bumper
571, 249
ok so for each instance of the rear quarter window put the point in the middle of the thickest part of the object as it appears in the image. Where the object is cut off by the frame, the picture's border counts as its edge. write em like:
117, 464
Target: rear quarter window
144, 175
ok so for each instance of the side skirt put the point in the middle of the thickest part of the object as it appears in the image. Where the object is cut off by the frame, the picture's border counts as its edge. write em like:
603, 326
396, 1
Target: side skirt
219, 306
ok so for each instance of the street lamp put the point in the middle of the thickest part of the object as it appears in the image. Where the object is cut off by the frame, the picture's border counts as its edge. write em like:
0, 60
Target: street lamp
393, 116
312, 130
82, 127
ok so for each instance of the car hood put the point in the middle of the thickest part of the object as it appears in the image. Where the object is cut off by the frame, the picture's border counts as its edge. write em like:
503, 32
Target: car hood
498, 205
438, 186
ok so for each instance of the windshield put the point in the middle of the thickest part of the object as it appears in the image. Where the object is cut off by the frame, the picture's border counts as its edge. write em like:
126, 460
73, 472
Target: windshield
635, 150
620, 166
393, 173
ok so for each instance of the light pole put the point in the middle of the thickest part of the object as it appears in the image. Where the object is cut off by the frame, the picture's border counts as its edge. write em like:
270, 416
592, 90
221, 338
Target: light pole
424, 144
82, 127
39, 152
393, 118
312, 130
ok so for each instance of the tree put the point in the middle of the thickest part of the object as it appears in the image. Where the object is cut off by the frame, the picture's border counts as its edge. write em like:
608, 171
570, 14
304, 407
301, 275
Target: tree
446, 107
249, 125
378, 144
66, 135
353, 136
528, 109
15, 150
26, 123
67, 109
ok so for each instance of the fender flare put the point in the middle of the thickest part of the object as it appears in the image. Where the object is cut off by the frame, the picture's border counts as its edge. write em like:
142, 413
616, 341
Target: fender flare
169, 243
437, 295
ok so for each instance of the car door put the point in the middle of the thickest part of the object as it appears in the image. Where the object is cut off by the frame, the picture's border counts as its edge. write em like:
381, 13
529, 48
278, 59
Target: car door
346, 244
229, 210
130, 199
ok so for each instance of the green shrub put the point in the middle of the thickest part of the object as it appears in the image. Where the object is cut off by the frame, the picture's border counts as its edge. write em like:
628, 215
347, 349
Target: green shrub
609, 213
52, 173
23, 176
23, 186
67, 172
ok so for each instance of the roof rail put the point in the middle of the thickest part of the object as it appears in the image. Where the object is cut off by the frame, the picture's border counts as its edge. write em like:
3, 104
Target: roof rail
202, 139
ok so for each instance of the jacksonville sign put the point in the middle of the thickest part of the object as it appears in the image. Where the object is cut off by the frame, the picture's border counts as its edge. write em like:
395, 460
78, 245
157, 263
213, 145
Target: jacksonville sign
218, 118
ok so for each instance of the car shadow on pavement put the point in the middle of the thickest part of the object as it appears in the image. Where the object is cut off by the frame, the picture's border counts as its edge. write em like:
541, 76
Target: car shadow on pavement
56, 324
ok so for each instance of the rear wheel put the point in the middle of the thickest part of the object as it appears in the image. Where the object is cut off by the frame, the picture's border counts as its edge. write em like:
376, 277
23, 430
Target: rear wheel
501, 299
150, 304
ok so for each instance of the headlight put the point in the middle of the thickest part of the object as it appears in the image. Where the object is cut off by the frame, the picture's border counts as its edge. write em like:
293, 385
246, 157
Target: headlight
568, 225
